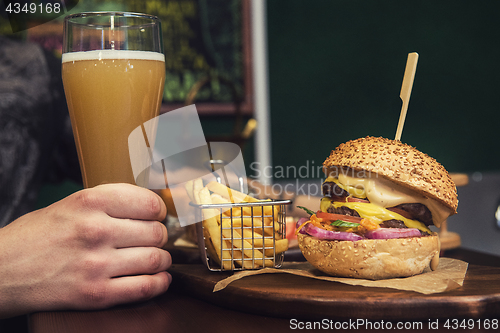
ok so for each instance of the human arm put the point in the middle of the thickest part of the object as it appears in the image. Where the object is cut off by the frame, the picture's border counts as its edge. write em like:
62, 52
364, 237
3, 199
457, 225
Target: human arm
94, 249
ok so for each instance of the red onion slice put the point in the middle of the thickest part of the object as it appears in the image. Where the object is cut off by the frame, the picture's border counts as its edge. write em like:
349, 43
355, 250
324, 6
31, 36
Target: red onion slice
390, 233
381, 233
314, 231
301, 221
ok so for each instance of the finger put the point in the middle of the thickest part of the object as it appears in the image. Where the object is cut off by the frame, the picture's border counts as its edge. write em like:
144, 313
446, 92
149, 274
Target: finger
132, 233
138, 261
127, 289
123, 201
102, 230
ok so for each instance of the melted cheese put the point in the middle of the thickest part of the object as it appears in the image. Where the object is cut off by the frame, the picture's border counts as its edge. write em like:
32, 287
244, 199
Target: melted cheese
384, 193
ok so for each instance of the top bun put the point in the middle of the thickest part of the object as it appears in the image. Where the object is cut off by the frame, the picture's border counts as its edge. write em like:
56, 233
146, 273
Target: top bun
399, 162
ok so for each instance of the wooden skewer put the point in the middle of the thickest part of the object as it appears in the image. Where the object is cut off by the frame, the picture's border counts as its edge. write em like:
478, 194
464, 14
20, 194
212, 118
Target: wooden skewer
409, 76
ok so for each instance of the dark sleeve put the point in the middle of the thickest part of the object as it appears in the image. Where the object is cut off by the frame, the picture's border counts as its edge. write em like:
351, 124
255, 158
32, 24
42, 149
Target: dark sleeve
33, 127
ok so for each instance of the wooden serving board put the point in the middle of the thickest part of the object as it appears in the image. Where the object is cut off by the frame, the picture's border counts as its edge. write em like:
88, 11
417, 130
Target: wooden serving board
290, 296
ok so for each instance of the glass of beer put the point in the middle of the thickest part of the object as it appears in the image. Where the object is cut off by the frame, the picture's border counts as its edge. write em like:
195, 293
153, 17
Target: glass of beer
113, 70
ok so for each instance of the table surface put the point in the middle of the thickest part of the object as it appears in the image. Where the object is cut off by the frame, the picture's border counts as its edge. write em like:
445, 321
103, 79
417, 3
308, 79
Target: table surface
176, 311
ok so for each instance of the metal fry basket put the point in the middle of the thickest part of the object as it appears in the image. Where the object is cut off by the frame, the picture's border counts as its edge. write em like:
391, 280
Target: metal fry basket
251, 235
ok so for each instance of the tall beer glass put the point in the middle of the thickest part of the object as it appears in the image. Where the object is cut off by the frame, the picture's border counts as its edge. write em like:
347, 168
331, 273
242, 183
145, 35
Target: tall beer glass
113, 70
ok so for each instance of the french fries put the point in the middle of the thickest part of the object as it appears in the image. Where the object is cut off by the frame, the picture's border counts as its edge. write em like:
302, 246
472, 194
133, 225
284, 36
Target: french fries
236, 197
245, 236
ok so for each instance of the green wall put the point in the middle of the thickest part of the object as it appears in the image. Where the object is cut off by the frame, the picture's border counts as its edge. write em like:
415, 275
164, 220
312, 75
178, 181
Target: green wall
336, 69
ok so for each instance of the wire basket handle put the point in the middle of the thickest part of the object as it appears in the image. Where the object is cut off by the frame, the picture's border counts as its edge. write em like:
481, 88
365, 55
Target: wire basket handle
210, 164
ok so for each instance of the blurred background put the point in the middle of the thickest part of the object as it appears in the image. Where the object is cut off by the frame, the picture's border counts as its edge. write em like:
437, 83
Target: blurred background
333, 72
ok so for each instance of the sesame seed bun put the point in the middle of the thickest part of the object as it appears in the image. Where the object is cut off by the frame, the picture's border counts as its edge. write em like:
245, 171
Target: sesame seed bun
372, 259
399, 162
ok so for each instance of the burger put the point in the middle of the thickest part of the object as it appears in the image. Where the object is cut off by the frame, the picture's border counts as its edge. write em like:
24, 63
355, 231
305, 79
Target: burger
380, 197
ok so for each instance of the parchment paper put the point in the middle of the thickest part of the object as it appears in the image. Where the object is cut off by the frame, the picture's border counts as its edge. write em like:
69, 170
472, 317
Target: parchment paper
449, 275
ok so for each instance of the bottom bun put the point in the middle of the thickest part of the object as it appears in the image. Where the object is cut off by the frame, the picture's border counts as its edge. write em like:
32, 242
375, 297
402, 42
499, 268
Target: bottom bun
372, 259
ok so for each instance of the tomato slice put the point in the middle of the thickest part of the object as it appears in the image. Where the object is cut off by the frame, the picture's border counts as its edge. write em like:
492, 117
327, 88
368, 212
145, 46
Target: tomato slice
335, 217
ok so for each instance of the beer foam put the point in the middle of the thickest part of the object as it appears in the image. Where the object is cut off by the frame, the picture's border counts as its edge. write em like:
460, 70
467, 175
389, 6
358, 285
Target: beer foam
112, 54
